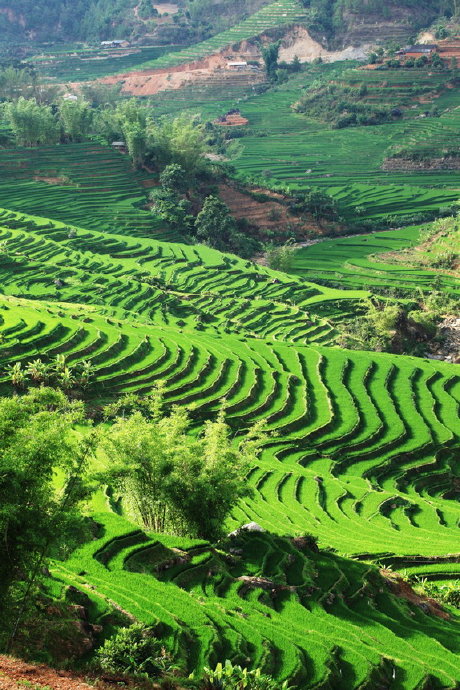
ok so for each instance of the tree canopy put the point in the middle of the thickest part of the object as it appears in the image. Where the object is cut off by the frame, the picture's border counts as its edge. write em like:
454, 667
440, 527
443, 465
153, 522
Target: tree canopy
37, 441
172, 479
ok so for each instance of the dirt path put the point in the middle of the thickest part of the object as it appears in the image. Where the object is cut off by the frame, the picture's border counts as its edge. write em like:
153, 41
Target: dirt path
17, 675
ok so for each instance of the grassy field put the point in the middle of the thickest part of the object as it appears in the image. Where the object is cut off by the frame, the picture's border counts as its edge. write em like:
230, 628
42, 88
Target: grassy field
284, 147
91, 64
298, 614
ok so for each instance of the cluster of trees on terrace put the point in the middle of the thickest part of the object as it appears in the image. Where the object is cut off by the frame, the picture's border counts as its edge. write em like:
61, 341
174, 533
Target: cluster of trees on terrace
177, 148
148, 140
95, 20
68, 19
343, 106
390, 325
192, 206
165, 468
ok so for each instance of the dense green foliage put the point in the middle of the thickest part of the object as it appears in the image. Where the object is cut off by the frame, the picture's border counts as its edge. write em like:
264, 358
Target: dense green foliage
36, 442
214, 328
61, 19
167, 476
133, 651
343, 107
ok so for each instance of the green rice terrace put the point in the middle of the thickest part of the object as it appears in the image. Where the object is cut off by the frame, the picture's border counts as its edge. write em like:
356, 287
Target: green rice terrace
357, 262
289, 148
273, 15
362, 452
280, 146
85, 184
327, 572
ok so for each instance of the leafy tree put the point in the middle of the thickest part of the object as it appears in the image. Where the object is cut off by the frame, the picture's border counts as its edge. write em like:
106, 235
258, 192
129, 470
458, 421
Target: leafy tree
76, 119
16, 82
318, 203
270, 55
173, 210
296, 65
100, 94
36, 441
131, 119
214, 225
173, 177
281, 258
32, 124
146, 10
181, 140
136, 143
167, 475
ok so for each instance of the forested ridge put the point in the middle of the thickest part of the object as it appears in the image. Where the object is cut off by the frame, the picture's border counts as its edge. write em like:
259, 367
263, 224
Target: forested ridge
110, 19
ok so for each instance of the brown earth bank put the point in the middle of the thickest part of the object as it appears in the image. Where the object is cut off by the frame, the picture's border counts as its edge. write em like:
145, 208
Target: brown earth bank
272, 214
16, 674
215, 68
148, 82
403, 589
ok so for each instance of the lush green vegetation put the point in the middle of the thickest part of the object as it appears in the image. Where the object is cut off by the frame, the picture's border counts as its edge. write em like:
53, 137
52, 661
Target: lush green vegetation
354, 261
216, 328
158, 391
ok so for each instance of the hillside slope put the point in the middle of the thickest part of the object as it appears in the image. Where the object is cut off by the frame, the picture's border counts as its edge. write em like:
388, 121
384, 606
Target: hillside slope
362, 451
340, 22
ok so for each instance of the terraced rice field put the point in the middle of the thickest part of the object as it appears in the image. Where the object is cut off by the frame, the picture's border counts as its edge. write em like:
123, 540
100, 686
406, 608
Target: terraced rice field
363, 447
301, 152
354, 262
83, 184
362, 453
90, 65
269, 17
298, 614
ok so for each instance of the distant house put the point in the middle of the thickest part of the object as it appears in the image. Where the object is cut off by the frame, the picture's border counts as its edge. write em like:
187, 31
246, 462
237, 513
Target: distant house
119, 145
232, 119
237, 66
70, 97
418, 50
114, 44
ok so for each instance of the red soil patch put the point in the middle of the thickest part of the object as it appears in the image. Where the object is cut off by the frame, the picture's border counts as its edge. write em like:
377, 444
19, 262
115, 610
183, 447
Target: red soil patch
214, 67
235, 120
16, 675
149, 183
268, 214
63, 181
403, 589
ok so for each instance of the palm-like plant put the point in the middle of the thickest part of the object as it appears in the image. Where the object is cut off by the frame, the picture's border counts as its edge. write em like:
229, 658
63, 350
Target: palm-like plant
38, 370
60, 364
17, 374
66, 378
85, 373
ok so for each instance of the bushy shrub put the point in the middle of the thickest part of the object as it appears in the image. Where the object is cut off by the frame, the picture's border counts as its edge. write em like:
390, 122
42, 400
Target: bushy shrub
134, 651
